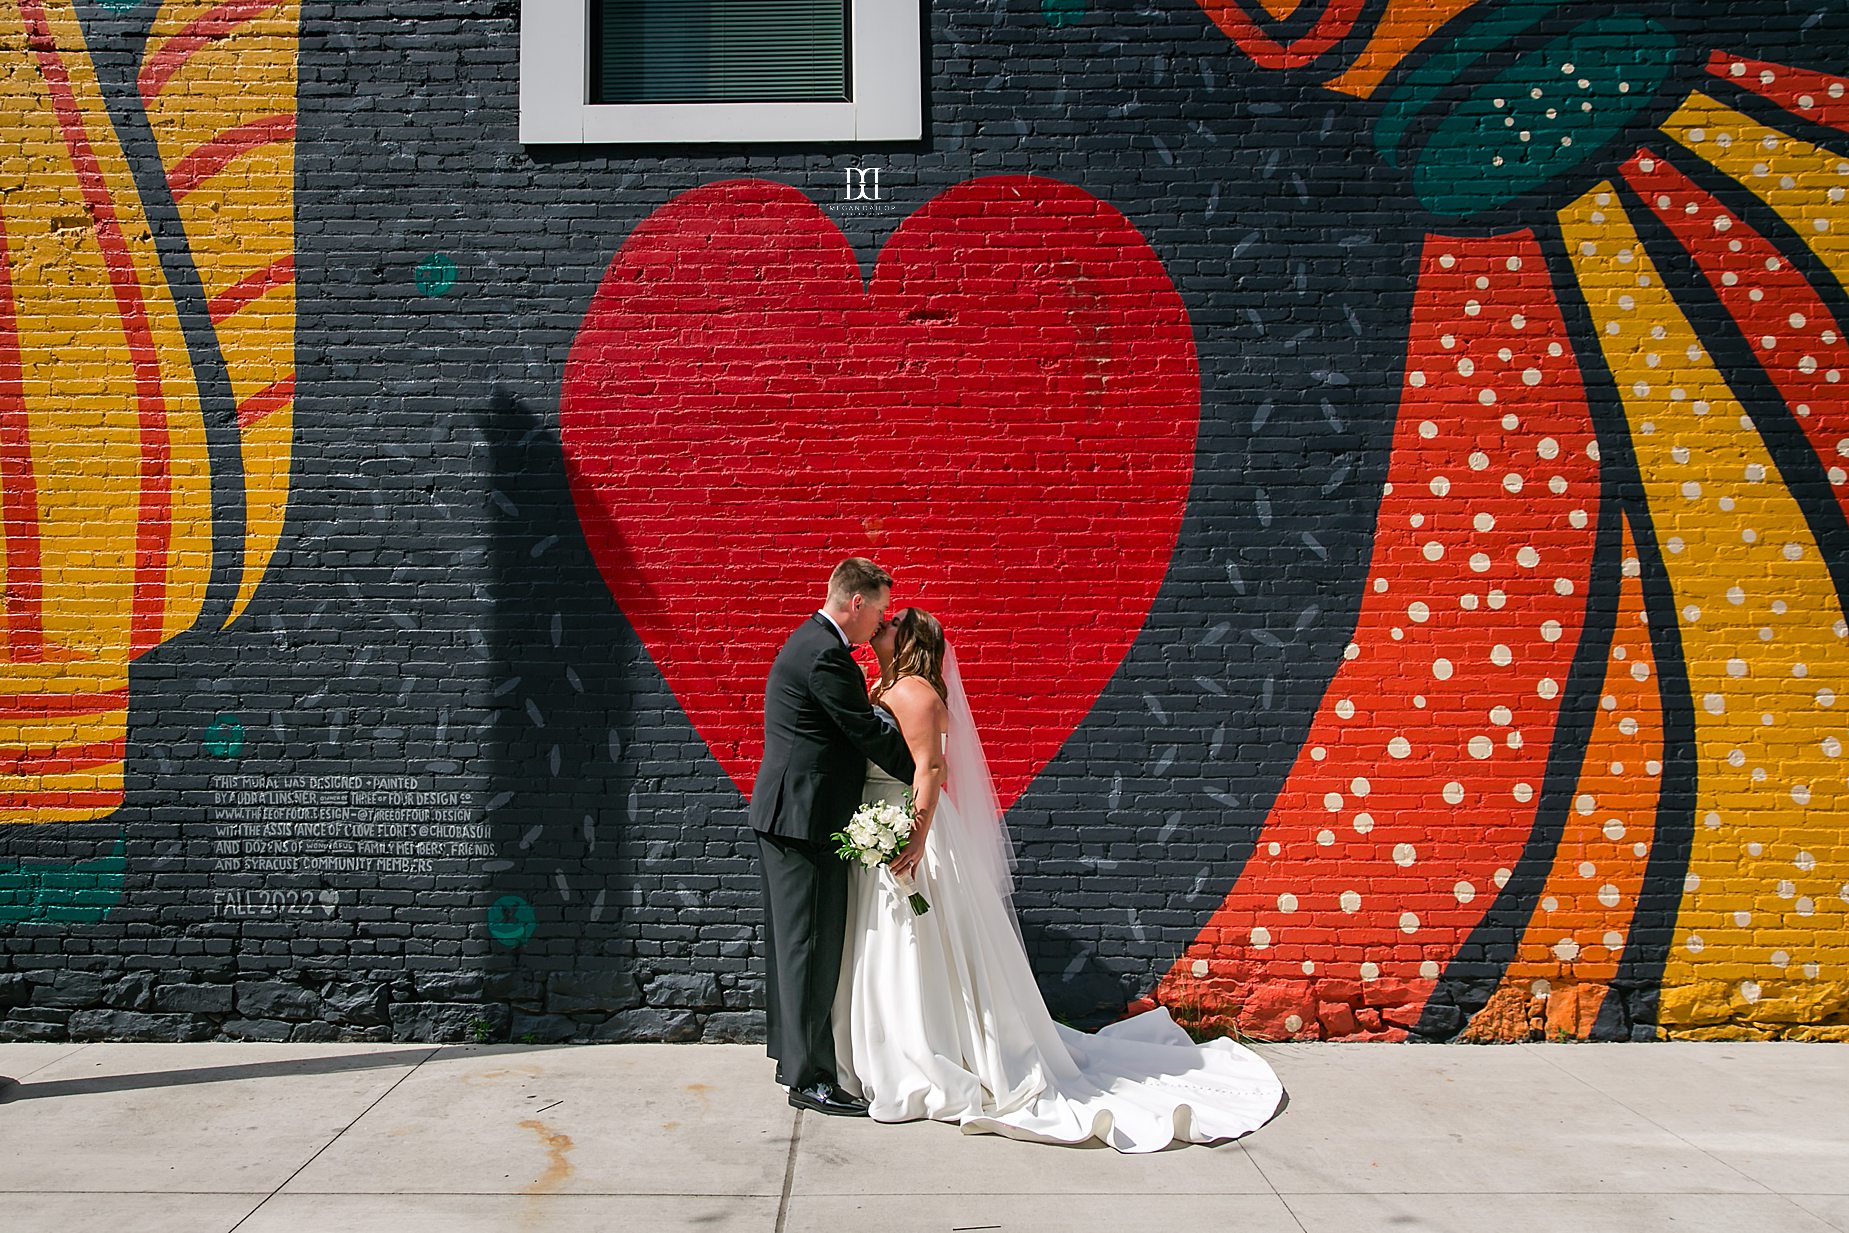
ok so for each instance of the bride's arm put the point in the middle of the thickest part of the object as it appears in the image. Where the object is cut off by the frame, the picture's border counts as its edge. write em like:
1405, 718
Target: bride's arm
923, 718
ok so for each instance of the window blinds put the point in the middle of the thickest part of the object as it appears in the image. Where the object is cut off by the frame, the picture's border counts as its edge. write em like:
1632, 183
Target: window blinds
714, 51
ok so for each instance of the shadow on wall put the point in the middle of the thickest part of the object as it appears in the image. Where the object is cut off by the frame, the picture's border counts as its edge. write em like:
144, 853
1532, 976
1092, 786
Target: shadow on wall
1079, 989
555, 722
613, 901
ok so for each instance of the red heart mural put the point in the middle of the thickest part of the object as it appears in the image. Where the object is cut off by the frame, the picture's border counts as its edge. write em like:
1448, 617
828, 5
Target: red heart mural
1004, 417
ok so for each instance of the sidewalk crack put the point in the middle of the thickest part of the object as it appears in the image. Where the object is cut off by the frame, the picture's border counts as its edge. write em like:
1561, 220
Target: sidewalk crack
316, 1155
1280, 1195
789, 1169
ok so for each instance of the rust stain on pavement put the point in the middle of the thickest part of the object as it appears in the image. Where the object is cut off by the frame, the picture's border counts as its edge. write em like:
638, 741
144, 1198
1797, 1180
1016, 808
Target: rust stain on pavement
558, 1167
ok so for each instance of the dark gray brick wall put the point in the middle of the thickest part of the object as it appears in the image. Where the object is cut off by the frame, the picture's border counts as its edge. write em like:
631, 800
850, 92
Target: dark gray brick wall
433, 612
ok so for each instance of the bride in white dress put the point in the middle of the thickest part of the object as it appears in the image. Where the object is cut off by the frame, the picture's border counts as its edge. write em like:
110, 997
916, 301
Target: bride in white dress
938, 1016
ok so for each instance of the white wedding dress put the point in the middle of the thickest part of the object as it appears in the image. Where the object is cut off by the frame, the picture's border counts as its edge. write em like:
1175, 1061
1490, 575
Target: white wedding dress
938, 1016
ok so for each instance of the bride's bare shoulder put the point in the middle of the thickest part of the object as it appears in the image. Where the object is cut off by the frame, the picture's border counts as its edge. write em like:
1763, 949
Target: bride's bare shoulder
911, 697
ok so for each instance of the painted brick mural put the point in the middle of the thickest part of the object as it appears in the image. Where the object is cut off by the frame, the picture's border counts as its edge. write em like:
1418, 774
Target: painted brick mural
1384, 465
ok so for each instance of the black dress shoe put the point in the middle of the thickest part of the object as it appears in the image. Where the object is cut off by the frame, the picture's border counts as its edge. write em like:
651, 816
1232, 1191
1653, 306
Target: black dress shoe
827, 1098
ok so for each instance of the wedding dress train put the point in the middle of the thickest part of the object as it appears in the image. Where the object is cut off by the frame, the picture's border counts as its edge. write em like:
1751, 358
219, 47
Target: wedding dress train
938, 1016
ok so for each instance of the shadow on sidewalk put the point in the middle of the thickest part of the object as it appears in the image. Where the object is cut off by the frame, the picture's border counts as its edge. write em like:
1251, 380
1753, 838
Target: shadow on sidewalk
12, 1091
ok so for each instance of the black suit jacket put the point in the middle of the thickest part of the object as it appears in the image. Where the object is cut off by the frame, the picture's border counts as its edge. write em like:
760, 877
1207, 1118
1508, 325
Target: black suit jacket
819, 732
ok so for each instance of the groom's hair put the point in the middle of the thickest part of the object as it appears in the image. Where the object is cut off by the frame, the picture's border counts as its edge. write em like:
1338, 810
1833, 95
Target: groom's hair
857, 576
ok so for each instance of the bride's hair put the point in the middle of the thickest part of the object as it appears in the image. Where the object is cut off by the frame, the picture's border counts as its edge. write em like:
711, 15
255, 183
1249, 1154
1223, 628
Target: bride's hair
918, 649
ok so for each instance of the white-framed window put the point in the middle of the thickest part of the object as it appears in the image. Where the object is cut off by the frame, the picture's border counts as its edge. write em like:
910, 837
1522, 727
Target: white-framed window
678, 71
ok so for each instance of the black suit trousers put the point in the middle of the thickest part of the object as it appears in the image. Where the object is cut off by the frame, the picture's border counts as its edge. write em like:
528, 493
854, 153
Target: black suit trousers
805, 923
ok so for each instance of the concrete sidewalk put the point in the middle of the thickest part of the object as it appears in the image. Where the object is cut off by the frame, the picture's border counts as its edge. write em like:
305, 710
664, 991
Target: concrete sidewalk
204, 1138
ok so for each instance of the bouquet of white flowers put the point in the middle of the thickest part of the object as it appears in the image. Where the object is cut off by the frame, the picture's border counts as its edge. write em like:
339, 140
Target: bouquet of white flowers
877, 833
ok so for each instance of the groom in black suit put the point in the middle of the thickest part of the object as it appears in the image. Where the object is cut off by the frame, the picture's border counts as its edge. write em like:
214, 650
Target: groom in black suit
819, 732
